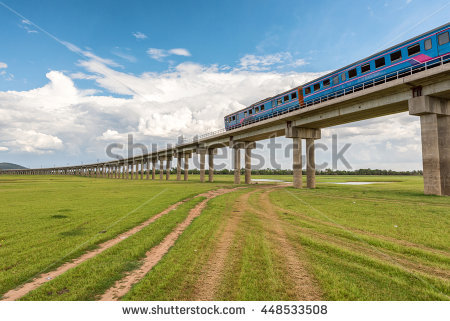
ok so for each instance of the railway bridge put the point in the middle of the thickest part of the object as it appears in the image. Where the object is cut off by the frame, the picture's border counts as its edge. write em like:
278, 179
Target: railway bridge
424, 92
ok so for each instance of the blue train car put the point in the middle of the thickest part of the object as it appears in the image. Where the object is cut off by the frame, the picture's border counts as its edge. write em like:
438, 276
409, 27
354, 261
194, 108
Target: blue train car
414, 55
266, 108
432, 45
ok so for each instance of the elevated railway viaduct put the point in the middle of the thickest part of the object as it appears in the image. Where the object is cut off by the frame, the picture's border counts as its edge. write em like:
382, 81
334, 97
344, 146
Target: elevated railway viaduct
424, 92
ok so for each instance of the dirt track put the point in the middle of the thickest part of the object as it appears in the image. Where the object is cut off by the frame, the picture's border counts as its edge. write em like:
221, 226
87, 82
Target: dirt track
213, 270
19, 292
154, 255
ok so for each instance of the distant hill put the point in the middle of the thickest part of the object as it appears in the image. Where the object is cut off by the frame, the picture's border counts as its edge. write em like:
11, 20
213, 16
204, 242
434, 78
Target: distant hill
10, 166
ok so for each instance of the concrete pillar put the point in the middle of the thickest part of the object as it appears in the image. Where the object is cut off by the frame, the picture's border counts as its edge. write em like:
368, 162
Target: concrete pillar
310, 164
435, 133
136, 172
132, 169
186, 166
161, 169
142, 168
237, 165
168, 168
248, 162
297, 162
153, 168
179, 167
211, 165
202, 153
148, 168
127, 169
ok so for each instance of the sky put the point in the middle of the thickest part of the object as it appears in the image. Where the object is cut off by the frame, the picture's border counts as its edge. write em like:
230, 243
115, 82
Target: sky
76, 76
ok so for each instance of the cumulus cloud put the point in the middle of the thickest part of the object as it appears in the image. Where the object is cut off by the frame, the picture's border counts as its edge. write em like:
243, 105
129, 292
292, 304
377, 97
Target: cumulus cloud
139, 35
3, 148
156, 107
3, 65
158, 54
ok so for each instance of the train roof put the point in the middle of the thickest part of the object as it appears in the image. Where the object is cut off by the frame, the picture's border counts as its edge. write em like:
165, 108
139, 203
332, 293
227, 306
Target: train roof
376, 54
263, 100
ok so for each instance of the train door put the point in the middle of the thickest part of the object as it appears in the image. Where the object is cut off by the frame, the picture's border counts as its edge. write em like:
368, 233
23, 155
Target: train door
443, 43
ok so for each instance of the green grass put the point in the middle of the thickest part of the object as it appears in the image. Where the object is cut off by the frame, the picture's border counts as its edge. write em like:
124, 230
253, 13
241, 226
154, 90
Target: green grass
358, 248
175, 276
384, 241
48, 220
93, 277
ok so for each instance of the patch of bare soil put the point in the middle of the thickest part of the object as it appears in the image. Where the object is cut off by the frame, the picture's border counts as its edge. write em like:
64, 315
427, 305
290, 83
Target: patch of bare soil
212, 273
154, 255
19, 292
305, 285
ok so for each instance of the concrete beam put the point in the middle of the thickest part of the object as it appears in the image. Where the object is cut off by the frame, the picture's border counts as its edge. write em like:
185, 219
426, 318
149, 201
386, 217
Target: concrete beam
435, 134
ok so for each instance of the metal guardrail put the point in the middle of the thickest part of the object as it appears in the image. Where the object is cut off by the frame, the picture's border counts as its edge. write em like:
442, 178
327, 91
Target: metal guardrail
346, 91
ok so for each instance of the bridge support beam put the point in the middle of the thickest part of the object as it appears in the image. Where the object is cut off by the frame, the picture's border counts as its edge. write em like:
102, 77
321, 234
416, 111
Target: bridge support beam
297, 162
297, 134
147, 168
161, 169
248, 146
179, 156
142, 168
435, 131
211, 152
237, 164
186, 166
310, 164
202, 153
153, 168
168, 162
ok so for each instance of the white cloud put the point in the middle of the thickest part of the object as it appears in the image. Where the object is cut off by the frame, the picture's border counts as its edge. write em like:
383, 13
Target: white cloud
3, 149
35, 142
124, 55
180, 52
158, 54
3, 65
187, 99
264, 63
139, 35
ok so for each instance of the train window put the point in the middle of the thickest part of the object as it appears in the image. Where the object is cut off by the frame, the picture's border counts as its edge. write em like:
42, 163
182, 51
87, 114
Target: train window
412, 50
245, 113
326, 83
365, 68
427, 44
307, 90
380, 62
256, 109
396, 55
335, 79
316, 86
233, 118
343, 76
262, 107
279, 102
294, 95
443, 38
352, 73
250, 112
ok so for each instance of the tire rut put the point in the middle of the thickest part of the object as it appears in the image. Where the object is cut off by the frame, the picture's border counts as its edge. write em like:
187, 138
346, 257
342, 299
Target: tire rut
155, 254
212, 273
24, 289
305, 285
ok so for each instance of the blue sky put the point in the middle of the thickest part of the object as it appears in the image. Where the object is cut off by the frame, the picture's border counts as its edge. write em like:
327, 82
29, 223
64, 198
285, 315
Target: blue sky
176, 56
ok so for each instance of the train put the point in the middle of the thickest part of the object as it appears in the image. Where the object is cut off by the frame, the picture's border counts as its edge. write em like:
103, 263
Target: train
429, 49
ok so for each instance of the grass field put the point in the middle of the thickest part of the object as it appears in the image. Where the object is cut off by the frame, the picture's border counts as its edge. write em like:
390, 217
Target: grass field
385, 241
